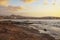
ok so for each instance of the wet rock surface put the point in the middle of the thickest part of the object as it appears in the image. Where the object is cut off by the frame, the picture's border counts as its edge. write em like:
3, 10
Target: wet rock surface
13, 32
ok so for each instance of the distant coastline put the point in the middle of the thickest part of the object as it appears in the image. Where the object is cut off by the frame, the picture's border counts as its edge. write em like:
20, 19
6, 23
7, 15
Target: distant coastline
23, 17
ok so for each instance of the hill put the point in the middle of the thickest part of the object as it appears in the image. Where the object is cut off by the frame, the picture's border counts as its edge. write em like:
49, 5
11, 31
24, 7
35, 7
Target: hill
24, 17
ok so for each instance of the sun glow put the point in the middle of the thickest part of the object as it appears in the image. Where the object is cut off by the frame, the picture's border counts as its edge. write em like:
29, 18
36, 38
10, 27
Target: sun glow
36, 8
4, 2
51, 8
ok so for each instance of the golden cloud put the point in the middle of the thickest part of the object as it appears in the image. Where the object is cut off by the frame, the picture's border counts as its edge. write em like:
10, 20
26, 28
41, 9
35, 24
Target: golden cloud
14, 8
4, 2
7, 10
28, 1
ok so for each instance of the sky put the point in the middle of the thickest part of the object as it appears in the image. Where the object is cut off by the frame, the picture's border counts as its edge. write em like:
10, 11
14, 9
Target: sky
34, 8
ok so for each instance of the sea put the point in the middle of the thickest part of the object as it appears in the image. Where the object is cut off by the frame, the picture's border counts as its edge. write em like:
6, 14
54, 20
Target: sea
52, 26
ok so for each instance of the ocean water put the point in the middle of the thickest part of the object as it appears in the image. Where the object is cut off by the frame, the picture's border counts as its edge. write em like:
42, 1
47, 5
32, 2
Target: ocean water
52, 26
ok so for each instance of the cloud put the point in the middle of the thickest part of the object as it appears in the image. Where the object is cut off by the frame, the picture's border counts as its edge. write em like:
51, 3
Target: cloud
4, 11
15, 8
29, 1
4, 2
9, 10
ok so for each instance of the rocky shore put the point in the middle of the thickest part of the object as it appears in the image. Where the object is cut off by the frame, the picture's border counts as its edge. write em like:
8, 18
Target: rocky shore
14, 32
